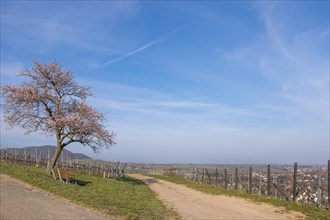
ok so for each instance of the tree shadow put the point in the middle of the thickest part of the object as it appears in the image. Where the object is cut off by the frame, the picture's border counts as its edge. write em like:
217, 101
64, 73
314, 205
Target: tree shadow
131, 181
149, 181
79, 182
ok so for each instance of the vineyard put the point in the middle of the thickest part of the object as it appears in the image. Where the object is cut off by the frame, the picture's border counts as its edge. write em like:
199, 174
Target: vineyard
304, 184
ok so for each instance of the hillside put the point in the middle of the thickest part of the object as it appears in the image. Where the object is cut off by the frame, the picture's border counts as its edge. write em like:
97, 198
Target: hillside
43, 151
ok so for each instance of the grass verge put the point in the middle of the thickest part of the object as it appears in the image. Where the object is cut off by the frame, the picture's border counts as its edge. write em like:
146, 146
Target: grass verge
125, 198
310, 211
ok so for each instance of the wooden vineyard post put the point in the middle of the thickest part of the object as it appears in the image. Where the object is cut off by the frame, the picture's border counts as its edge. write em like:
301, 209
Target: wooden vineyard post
25, 155
260, 182
197, 180
294, 186
40, 158
36, 157
268, 180
208, 177
329, 183
89, 167
226, 183
275, 179
236, 178
250, 180
203, 176
216, 176
48, 158
319, 191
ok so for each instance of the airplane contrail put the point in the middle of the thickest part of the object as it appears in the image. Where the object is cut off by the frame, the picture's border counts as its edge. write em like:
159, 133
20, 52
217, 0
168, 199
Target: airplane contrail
151, 43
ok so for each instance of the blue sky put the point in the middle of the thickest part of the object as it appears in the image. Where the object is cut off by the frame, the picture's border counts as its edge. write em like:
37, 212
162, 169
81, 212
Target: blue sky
188, 81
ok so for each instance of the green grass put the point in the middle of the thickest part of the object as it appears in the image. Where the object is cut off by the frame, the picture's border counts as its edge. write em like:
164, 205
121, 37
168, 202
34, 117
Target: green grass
125, 198
311, 212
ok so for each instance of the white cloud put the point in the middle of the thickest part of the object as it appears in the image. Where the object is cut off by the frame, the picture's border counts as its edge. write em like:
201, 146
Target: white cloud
90, 28
296, 62
11, 69
167, 110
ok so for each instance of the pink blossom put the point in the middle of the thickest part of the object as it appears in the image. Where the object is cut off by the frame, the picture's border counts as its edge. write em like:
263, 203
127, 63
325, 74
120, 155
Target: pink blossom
53, 103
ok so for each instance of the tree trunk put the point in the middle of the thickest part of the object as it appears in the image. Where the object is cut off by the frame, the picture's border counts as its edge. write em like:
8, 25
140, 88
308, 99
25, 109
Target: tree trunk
52, 163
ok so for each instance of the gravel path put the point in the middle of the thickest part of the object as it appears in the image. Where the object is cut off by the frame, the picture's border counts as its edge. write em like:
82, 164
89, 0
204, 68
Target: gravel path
19, 200
192, 204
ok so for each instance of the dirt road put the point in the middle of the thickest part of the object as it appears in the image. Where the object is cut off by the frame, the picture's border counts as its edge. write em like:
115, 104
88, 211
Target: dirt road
22, 201
192, 204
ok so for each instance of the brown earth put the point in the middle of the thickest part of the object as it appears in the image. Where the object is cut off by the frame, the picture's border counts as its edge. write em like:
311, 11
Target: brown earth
19, 200
192, 204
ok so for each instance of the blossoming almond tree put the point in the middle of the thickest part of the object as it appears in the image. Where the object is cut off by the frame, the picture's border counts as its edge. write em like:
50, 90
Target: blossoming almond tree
52, 102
